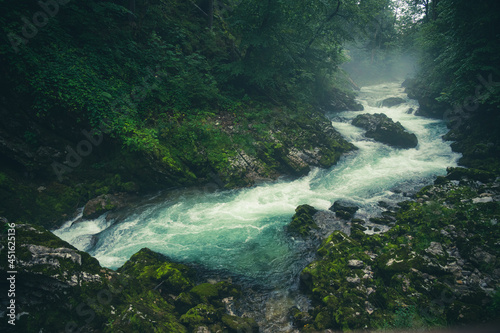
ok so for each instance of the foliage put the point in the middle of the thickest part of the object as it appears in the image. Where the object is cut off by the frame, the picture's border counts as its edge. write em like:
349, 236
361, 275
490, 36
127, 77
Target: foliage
458, 46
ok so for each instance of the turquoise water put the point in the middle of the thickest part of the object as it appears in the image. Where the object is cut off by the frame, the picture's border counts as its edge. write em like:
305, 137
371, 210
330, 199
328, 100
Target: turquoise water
240, 232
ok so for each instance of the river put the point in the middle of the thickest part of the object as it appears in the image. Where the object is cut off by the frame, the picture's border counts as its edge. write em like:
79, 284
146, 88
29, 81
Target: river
240, 233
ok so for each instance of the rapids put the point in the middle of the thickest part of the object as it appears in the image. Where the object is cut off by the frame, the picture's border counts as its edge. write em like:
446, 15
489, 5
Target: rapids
240, 233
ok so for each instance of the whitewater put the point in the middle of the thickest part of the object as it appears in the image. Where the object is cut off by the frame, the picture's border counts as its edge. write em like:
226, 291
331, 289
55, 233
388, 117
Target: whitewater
240, 233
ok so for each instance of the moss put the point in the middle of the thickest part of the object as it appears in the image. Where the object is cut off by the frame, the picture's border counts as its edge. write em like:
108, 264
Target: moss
302, 222
239, 324
205, 291
200, 314
323, 320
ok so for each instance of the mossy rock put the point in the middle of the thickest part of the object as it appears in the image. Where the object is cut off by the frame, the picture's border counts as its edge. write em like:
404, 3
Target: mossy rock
201, 314
240, 324
323, 320
302, 222
300, 318
471, 174
152, 268
381, 128
205, 291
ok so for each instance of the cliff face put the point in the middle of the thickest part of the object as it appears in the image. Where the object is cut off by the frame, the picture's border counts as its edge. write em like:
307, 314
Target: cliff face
60, 289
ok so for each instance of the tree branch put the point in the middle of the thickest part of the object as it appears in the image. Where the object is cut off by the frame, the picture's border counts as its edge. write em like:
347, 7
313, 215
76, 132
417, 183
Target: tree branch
322, 27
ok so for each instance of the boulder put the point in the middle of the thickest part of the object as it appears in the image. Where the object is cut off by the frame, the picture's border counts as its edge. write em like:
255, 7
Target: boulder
392, 101
103, 203
383, 129
303, 222
344, 209
353, 263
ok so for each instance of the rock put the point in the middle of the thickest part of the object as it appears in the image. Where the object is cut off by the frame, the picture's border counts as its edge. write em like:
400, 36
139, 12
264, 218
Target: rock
482, 200
148, 291
341, 101
409, 82
42, 255
481, 256
459, 173
381, 128
103, 203
303, 222
344, 209
353, 263
353, 280
328, 222
300, 318
429, 106
240, 324
435, 249
392, 101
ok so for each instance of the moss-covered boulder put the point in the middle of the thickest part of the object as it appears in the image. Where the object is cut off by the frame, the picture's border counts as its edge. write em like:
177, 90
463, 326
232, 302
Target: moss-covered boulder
470, 174
104, 203
240, 324
381, 128
303, 221
152, 268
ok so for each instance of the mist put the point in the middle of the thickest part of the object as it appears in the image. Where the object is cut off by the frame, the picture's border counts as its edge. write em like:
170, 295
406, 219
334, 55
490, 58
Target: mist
368, 67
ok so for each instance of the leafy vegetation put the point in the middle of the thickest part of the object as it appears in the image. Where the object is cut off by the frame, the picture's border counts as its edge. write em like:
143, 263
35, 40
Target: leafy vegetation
178, 89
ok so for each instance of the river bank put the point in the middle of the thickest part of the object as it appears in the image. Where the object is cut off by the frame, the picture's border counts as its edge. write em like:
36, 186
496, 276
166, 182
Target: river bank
389, 307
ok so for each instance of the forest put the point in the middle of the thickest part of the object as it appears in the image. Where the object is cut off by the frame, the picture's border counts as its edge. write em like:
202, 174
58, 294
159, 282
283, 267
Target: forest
169, 165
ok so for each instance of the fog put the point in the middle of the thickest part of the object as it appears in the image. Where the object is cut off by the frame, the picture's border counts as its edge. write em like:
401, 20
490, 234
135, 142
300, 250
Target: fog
367, 67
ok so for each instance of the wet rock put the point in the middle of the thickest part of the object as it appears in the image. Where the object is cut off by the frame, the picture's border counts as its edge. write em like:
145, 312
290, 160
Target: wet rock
148, 291
459, 173
202, 329
392, 101
300, 318
328, 222
442, 250
103, 203
344, 209
240, 324
381, 128
341, 101
303, 222
481, 256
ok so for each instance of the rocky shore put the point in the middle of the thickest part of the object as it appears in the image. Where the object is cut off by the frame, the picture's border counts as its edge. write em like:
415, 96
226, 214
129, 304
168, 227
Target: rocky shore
61, 289
437, 265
